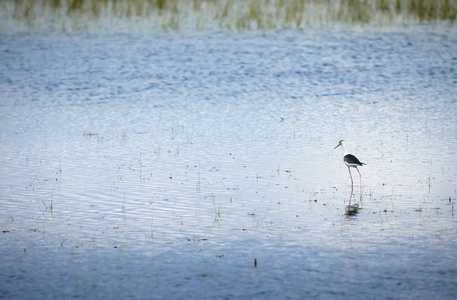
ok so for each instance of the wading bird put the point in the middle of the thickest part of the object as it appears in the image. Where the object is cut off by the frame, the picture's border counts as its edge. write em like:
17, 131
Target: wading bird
351, 162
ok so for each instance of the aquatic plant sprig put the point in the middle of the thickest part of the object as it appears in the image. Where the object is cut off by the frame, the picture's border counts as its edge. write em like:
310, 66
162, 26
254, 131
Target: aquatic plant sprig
217, 210
49, 205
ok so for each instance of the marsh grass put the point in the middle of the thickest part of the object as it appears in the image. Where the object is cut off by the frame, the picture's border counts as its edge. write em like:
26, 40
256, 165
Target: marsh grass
392, 197
217, 209
49, 205
77, 15
452, 208
123, 202
32, 183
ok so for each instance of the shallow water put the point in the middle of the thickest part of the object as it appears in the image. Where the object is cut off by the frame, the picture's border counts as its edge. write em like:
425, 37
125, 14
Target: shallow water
201, 165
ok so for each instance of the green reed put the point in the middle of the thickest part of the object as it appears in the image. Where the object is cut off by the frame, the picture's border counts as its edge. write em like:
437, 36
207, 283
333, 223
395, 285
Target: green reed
227, 14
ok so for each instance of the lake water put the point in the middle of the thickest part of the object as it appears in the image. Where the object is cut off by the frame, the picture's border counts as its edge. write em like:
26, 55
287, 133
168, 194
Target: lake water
201, 164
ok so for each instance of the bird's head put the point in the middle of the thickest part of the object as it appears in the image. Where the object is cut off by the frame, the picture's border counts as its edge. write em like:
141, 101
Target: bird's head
341, 143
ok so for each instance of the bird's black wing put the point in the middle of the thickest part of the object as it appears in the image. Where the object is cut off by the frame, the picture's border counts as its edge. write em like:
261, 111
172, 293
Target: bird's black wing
351, 159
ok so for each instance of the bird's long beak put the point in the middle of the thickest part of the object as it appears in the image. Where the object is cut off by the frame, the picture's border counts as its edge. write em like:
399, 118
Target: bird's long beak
337, 146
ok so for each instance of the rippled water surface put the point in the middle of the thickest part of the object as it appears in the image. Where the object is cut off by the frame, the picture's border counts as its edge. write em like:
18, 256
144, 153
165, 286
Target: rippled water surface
202, 165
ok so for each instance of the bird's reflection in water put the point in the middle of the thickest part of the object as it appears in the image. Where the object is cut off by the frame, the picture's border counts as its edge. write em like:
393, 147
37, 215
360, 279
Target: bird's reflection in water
352, 210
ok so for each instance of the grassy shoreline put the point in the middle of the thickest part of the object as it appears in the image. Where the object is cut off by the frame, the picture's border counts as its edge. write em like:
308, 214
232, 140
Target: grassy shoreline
227, 14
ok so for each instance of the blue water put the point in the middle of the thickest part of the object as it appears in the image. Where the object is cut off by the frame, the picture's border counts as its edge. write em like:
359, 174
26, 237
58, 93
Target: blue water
202, 164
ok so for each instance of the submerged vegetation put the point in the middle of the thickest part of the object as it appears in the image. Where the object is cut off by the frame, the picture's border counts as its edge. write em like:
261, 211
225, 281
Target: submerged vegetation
228, 14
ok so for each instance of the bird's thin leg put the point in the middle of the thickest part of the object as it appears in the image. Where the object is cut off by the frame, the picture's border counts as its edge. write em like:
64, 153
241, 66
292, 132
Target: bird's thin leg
352, 182
360, 177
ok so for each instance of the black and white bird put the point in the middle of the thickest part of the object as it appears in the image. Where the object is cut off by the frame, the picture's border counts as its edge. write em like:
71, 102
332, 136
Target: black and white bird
351, 161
